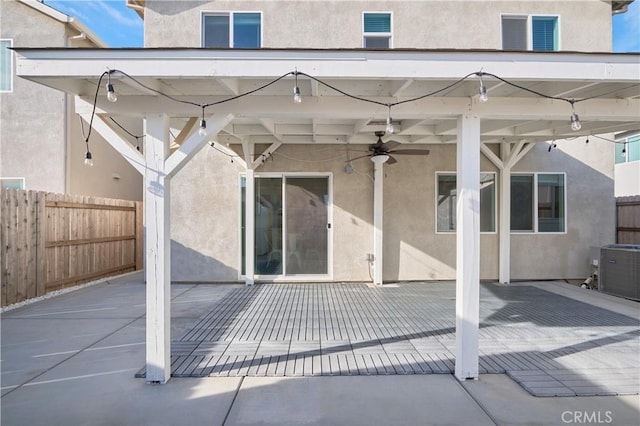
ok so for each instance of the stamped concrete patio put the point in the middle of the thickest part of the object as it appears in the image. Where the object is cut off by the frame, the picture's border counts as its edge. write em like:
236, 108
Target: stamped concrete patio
71, 359
550, 344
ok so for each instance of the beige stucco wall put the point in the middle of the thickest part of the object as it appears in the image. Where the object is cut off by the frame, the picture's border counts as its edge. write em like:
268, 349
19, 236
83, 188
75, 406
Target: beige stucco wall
40, 135
584, 25
208, 249
590, 210
32, 125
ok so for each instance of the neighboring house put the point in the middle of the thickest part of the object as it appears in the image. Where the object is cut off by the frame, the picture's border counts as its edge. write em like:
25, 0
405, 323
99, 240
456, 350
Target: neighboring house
41, 143
627, 168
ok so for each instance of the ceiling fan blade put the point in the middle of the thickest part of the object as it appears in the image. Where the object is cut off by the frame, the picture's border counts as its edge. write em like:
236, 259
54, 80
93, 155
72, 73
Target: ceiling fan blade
411, 152
357, 158
391, 160
389, 145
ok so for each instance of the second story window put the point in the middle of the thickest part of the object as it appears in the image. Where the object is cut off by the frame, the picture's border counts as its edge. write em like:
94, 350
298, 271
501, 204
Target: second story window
376, 30
526, 32
233, 29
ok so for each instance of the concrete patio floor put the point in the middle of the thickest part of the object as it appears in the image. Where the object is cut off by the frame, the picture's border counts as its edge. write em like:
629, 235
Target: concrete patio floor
71, 359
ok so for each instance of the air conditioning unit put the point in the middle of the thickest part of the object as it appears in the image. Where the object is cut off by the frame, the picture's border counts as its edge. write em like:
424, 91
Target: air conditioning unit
620, 270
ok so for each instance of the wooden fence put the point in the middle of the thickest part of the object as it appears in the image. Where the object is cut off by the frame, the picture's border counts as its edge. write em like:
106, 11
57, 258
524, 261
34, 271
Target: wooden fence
51, 241
628, 220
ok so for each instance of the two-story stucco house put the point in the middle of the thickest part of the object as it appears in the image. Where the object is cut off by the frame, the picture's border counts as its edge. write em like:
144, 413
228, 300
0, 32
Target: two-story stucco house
41, 144
363, 141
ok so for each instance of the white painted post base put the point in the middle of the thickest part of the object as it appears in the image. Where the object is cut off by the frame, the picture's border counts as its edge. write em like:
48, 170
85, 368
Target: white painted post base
467, 248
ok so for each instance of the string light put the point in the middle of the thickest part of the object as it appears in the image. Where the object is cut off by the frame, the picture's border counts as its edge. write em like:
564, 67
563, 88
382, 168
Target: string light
88, 159
202, 131
551, 146
111, 93
389, 127
297, 98
575, 120
483, 90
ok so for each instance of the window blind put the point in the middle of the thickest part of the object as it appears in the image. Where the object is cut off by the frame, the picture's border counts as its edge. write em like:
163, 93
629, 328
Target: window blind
544, 33
377, 22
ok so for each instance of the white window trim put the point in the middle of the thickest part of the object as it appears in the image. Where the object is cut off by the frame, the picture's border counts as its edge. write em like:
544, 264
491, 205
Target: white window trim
230, 14
23, 180
529, 18
282, 277
379, 35
535, 203
10, 40
495, 202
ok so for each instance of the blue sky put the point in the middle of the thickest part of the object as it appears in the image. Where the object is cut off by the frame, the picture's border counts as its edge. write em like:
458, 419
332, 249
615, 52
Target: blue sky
120, 26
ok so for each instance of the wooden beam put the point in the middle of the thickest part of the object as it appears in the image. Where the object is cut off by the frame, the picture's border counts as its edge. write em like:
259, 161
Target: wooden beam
186, 130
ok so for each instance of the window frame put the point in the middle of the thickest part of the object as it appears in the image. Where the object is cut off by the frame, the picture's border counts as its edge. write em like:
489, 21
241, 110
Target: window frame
230, 14
10, 90
529, 17
536, 201
283, 277
22, 181
628, 144
388, 35
495, 202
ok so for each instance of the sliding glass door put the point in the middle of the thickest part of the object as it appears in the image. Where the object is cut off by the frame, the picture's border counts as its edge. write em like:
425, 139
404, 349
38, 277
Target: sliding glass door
292, 225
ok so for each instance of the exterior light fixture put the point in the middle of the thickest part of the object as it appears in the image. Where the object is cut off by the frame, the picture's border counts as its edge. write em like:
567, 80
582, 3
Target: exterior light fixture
482, 91
88, 159
389, 127
202, 131
297, 98
575, 120
111, 93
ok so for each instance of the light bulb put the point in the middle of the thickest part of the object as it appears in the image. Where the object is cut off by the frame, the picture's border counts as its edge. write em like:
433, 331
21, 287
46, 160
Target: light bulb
203, 128
575, 122
483, 93
297, 98
88, 160
390, 128
111, 94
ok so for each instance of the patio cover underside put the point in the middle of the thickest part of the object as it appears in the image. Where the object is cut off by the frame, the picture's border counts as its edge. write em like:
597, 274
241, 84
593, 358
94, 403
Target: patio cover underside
256, 125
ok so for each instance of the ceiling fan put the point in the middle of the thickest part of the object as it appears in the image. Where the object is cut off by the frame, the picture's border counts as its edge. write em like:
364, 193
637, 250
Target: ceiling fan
380, 151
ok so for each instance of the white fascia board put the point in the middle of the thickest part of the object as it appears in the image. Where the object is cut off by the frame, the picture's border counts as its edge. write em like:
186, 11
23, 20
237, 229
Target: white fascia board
194, 63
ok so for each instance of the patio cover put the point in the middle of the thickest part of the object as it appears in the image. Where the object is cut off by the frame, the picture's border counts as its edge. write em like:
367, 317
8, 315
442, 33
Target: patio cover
504, 128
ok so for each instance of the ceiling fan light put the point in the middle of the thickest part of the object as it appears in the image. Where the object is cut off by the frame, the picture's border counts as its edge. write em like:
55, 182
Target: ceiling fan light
380, 158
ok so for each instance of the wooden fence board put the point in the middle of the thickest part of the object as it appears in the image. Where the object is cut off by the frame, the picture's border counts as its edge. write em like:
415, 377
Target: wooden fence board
628, 220
50, 241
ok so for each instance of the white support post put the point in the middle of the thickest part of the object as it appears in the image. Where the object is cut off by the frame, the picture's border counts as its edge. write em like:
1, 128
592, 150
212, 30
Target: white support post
505, 215
467, 247
378, 206
249, 227
157, 241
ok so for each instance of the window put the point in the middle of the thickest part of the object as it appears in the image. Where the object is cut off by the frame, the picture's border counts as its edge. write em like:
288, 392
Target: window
628, 151
526, 32
6, 66
12, 183
376, 30
538, 199
446, 202
233, 29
